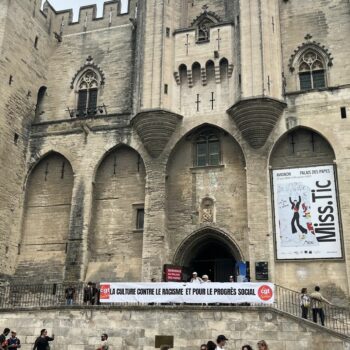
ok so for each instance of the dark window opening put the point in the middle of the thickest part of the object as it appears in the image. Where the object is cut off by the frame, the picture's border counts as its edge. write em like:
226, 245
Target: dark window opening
10, 79
343, 112
140, 215
15, 138
36, 42
311, 71
167, 30
207, 150
166, 89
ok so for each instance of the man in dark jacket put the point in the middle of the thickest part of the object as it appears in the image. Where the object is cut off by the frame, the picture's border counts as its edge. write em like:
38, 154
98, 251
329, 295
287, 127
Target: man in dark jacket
13, 342
3, 343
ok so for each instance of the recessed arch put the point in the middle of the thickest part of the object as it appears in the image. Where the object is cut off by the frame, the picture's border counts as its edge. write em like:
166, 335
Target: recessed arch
46, 217
301, 146
116, 231
196, 73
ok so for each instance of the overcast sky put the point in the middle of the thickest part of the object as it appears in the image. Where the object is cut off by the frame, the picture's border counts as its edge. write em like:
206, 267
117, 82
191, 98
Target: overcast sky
75, 4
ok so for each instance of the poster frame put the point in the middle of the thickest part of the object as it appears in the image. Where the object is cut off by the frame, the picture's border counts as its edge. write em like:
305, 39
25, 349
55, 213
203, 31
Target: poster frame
273, 216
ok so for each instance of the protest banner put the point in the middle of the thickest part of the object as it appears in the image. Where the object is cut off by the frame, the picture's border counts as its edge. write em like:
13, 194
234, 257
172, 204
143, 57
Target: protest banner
193, 293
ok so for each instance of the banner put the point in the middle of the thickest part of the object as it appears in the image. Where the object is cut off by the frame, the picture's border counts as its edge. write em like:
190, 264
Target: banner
193, 293
306, 213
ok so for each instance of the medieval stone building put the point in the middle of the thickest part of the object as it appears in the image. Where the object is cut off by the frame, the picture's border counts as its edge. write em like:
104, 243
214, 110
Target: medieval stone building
152, 137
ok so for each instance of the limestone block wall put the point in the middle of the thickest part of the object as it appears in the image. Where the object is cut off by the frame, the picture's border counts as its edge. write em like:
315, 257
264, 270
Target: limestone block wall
136, 328
23, 69
111, 49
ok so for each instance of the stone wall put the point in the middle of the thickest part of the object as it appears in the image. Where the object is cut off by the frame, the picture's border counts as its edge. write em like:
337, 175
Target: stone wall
135, 328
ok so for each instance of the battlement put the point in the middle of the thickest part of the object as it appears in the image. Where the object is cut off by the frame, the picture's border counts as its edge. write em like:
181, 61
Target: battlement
63, 23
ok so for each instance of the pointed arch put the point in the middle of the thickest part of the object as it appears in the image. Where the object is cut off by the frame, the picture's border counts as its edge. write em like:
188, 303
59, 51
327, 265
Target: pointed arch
301, 146
186, 248
46, 217
118, 207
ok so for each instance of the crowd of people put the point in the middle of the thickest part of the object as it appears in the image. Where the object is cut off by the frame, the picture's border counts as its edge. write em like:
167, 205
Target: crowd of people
42, 342
221, 342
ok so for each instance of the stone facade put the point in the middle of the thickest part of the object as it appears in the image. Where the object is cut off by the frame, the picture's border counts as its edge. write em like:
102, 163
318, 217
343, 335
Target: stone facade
168, 75
137, 328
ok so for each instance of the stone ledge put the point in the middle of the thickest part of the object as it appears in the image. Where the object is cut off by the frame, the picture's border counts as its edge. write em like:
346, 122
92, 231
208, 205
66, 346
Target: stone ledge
256, 117
155, 127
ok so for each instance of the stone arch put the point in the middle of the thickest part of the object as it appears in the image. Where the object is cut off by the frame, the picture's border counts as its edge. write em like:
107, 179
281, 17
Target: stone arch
301, 146
200, 239
196, 73
115, 240
46, 218
41, 97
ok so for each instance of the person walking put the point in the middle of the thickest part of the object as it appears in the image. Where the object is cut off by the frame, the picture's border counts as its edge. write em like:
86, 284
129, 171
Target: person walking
304, 303
317, 301
3, 341
221, 342
262, 345
13, 342
42, 342
104, 342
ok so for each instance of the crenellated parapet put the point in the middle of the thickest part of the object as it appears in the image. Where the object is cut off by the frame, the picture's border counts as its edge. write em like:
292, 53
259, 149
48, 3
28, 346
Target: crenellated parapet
63, 24
256, 117
155, 127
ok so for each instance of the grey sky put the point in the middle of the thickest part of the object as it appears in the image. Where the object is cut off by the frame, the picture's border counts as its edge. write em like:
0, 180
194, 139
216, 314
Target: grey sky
75, 4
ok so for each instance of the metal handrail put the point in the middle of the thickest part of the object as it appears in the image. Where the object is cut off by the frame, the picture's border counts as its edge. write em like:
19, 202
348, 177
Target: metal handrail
15, 296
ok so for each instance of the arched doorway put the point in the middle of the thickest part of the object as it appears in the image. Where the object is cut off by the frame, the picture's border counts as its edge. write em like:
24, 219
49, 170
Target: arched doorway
208, 251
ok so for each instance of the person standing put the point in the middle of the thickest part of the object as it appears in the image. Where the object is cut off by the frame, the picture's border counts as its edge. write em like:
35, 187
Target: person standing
104, 342
205, 279
221, 342
247, 347
13, 342
304, 303
195, 278
88, 294
317, 301
42, 342
3, 341
231, 279
70, 294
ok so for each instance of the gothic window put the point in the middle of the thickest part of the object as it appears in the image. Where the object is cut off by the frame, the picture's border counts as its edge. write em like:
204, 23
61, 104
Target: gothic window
311, 71
207, 149
87, 93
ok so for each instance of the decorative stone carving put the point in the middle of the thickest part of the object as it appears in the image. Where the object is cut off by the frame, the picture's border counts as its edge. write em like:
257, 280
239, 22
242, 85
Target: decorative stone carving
207, 210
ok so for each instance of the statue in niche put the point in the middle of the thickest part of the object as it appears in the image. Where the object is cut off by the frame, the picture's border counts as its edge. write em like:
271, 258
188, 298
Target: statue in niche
207, 210
203, 30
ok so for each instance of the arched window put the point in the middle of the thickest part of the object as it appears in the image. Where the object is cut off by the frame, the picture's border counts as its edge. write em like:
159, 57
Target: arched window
183, 74
87, 93
40, 101
207, 149
223, 69
210, 71
196, 73
311, 71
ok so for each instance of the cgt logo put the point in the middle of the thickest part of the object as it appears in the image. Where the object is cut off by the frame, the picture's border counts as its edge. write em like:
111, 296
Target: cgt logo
265, 293
104, 291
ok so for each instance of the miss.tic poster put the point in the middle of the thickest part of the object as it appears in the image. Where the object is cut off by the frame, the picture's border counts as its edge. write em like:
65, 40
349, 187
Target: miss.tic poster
306, 213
